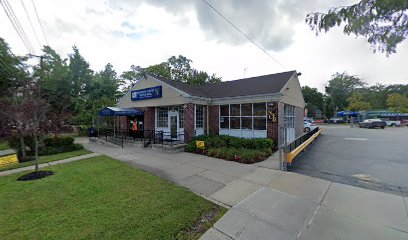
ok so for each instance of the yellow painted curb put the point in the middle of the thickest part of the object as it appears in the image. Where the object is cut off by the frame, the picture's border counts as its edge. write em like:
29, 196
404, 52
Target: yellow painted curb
291, 155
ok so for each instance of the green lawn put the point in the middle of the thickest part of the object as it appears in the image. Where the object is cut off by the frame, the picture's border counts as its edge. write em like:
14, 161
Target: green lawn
99, 198
48, 158
4, 145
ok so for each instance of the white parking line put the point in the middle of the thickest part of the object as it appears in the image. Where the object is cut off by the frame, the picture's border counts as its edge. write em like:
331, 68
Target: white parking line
356, 139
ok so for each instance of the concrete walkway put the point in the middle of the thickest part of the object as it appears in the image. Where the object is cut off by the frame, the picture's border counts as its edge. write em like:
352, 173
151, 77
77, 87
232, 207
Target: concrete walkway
269, 204
42, 165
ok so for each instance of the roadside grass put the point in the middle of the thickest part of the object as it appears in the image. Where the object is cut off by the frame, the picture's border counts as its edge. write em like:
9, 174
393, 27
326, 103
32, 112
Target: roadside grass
47, 158
4, 145
99, 198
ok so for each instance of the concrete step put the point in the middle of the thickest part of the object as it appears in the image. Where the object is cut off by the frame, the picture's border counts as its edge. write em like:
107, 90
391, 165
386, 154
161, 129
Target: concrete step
169, 149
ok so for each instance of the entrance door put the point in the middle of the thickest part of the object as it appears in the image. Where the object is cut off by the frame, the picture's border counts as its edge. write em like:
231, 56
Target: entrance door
289, 118
173, 127
173, 123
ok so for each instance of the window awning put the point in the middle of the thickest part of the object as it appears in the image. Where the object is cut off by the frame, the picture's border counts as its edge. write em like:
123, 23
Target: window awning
114, 111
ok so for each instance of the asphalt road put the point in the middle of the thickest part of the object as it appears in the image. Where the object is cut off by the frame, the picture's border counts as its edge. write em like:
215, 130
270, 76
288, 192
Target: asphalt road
375, 159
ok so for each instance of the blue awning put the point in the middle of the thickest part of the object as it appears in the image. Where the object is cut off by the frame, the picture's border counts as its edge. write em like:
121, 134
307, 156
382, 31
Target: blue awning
347, 113
114, 111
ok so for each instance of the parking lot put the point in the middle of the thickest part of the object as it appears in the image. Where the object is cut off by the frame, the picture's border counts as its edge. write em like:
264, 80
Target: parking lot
370, 158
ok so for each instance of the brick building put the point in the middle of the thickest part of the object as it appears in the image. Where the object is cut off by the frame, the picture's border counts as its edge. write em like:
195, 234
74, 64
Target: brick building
255, 107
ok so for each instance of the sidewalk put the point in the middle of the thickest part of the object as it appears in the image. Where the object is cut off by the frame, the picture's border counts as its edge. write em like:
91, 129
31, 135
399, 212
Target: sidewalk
31, 168
269, 204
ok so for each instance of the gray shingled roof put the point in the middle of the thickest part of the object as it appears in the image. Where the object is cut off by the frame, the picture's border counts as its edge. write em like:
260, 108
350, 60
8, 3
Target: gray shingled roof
271, 83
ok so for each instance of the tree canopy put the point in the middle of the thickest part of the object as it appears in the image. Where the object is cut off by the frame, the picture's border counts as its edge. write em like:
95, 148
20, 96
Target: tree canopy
340, 87
384, 23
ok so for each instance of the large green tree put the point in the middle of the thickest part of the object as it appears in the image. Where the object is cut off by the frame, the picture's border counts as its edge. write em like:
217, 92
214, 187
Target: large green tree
397, 103
384, 23
340, 87
175, 68
314, 101
356, 102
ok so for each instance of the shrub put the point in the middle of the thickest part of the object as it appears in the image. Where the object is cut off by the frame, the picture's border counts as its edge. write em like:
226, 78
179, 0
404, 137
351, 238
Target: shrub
59, 144
14, 143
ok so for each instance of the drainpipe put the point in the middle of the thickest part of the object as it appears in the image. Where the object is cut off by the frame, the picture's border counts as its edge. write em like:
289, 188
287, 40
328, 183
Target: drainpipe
208, 124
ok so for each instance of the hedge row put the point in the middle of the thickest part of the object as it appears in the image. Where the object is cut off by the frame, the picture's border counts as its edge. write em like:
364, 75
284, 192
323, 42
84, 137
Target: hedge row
219, 141
233, 148
47, 145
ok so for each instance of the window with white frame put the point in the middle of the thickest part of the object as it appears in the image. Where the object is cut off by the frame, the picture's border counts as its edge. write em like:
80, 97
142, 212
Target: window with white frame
246, 116
199, 116
181, 117
162, 117
224, 116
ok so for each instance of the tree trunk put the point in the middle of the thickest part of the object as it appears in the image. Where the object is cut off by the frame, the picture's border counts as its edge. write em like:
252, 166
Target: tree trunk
22, 145
36, 150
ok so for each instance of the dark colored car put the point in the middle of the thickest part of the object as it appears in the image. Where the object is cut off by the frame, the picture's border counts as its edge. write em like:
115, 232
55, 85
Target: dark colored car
336, 120
372, 123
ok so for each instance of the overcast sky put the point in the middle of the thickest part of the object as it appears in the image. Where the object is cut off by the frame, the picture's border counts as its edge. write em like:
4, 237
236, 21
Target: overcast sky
145, 32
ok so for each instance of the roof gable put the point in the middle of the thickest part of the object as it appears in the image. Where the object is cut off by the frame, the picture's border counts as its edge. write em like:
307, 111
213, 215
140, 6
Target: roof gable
272, 83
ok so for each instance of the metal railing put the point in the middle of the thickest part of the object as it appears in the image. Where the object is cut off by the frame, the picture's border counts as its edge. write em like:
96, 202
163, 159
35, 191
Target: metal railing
146, 137
298, 141
286, 148
166, 138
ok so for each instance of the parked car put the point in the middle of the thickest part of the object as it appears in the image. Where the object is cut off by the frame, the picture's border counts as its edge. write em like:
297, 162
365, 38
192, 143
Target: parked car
391, 123
321, 121
336, 120
308, 126
372, 123
404, 122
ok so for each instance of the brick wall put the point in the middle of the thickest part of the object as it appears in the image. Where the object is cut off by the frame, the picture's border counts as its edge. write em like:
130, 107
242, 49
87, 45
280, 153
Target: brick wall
149, 118
272, 128
213, 119
188, 122
299, 113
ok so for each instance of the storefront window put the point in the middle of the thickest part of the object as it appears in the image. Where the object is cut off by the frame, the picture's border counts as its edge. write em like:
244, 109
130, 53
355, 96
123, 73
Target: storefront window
245, 116
224, 112
224, 122
246, 122
162, 117
259, 109
181, 114
246, 109
234, 123
199, 116
235, 110
259, 123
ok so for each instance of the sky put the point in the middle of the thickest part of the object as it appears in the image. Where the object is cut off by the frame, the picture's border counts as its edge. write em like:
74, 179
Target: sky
146, 32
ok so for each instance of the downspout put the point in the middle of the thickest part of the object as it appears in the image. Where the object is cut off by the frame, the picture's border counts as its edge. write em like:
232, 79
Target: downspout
208, 124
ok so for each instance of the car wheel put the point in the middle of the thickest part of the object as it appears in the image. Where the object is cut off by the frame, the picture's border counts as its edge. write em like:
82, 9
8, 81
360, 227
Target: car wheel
382, 127
393, 125
307, 129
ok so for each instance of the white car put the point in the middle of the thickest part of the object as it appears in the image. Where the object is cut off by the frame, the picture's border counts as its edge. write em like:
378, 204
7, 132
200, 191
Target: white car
308, 126
391, 123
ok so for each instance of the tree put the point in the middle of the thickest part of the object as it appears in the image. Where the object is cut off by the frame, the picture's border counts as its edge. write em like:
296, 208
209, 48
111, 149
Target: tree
356, 102
340, 87
314, 100
80, 76
180, 68
383, 22
54, 76
397, 103
175, 68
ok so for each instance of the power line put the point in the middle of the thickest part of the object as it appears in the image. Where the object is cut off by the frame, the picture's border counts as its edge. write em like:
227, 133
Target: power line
31, 23
239, 30
16, 24
39, 21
